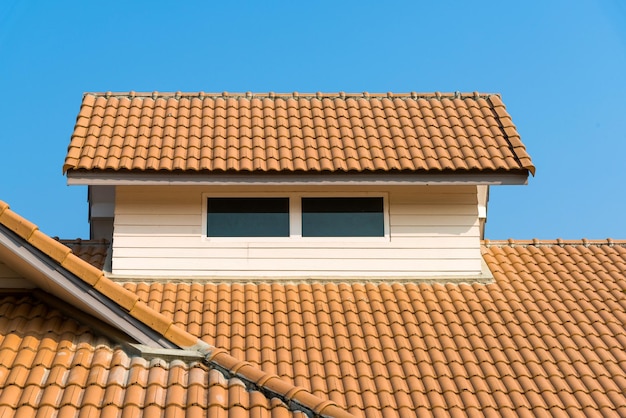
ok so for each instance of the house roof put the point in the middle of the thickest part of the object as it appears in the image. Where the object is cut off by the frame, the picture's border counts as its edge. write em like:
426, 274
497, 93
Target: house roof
313, 133
51, 365
52, 387
92, 251
547, 337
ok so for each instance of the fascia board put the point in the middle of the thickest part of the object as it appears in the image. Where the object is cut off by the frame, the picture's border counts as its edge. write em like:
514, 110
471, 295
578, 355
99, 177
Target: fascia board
52, 278
291, 179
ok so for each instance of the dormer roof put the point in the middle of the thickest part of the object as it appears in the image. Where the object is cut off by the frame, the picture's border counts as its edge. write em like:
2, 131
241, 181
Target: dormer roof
336, 133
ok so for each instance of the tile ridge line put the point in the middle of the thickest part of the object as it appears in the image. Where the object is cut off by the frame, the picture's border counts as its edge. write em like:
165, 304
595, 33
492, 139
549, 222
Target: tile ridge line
295, 95
553, 242
273, 386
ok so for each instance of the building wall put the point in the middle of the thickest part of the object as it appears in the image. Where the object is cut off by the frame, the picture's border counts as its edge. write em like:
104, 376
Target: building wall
159, 231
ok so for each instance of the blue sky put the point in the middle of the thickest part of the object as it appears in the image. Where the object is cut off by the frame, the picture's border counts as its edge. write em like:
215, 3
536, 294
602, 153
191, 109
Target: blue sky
559, 65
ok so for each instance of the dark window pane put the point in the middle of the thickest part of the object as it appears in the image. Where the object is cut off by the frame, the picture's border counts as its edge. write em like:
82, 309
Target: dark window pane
342, 217
248, 217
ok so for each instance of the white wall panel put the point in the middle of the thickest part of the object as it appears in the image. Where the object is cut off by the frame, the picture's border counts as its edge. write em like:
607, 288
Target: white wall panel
433, 230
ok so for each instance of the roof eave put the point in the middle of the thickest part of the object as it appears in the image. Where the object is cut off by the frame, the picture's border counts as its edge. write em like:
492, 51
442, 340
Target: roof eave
153, 178
45, 273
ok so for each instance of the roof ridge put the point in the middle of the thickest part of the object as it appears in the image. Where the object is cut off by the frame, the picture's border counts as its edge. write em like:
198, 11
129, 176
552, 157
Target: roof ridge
273, 386
269, 384
547, 243
295, 95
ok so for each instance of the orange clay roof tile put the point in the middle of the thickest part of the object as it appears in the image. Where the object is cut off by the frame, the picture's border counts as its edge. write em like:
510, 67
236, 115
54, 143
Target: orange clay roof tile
279, 392
45, 371
268, 132
544, 338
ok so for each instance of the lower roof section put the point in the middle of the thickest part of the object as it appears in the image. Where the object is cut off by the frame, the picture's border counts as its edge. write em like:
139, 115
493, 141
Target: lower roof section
50, 365
45, 273
547, 338
52, 266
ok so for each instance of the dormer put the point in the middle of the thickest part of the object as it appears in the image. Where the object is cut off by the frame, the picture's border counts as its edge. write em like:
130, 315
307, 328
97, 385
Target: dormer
293, 185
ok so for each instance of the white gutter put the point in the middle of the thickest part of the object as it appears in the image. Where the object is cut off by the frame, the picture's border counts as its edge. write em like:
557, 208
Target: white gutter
292, 179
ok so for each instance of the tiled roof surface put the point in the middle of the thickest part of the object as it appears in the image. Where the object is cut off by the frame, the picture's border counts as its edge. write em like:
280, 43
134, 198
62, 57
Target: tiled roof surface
50, 366
295, 133
271, 386
92, 251
547, 338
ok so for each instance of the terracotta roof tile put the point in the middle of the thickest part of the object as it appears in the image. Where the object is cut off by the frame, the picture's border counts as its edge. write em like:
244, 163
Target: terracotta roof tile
92, 251
269, 132
280, 395
544, 339
43, 371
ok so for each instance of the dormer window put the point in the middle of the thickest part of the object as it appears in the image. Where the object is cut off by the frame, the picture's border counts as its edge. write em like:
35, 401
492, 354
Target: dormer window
295, 216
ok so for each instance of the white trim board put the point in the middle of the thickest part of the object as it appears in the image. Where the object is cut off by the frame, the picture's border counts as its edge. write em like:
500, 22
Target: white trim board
348, 179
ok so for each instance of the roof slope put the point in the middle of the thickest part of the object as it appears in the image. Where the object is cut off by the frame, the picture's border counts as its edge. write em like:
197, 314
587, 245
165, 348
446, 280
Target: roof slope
547, 338
248, 377
52, 366
196, 132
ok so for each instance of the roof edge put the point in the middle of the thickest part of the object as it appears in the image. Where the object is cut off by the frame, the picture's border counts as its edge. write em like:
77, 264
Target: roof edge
549, 243
296, 95
273, 386
96, 279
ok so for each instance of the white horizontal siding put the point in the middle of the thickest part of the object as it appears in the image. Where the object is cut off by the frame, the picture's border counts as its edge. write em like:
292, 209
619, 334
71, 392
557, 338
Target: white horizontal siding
293, 252
191, 242
432, 231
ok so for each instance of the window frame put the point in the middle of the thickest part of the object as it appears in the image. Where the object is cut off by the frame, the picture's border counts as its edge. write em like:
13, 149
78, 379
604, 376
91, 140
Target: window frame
295, 217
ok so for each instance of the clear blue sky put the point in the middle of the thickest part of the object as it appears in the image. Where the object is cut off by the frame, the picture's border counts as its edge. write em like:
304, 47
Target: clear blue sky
559, 65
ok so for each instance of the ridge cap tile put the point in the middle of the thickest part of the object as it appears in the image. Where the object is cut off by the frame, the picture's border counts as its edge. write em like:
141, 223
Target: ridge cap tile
92, 97
292, 395
511, 243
